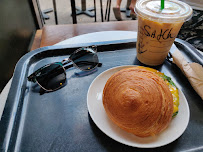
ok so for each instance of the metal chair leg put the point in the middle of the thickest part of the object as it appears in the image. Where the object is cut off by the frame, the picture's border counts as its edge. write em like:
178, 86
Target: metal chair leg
55, 11
73, 9
109, 9
101, 6
95, 12
107, 6
40, 12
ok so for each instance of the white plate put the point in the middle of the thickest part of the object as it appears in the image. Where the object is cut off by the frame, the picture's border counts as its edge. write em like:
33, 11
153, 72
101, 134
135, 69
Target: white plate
100, 118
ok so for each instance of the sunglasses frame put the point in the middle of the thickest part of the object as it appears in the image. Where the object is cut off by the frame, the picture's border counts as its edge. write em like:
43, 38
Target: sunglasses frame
64, 70
93, 49
33, 76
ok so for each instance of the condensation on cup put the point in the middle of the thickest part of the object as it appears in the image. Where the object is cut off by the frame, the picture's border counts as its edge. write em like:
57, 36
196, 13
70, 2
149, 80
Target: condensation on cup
157, 29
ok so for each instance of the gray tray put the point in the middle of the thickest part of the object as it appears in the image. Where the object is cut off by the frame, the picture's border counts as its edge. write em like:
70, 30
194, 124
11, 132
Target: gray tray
59, 120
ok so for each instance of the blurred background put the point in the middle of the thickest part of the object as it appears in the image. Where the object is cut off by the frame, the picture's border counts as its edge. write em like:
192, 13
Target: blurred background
64, 11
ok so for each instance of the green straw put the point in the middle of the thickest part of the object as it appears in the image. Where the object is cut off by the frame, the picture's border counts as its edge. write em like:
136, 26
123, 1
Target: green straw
162, 4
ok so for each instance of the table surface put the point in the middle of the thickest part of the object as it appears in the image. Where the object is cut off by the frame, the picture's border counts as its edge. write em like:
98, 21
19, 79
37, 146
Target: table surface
52, 34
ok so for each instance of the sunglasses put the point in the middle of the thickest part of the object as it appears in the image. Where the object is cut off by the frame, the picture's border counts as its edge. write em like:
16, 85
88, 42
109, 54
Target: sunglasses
53, 76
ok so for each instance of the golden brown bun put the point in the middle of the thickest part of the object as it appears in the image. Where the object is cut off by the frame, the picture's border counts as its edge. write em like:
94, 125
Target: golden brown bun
138, 101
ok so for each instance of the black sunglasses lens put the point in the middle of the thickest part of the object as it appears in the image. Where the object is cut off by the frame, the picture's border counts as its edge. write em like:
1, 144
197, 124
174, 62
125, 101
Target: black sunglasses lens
52, 77
85, 59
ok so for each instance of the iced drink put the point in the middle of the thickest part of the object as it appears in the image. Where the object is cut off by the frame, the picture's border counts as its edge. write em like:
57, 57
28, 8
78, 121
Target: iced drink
157, 29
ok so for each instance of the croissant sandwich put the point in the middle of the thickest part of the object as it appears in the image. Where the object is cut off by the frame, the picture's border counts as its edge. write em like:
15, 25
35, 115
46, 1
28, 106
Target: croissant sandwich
140, 100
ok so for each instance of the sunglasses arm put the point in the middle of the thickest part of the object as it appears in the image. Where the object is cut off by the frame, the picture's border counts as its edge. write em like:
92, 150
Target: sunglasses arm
68, 66
71, 65
65, 61
32, 77
94, 47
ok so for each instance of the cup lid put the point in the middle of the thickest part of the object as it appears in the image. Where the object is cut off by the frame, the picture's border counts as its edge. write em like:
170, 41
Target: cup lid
173, 10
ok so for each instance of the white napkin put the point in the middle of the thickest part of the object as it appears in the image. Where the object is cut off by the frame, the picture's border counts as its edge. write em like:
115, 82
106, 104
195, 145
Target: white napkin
193, 71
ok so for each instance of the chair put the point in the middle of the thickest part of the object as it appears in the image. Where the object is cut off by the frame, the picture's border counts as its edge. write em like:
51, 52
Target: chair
88, 12
73, 9
55, 12
108, 9
78, 11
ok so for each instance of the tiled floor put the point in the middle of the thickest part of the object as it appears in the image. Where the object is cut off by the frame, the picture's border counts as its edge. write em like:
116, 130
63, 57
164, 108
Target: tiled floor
64, 11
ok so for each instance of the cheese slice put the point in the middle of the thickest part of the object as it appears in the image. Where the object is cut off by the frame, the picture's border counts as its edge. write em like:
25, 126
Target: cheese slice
172, 88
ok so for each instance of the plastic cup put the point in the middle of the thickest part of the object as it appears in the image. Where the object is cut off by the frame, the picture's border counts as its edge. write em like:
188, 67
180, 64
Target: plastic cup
157, 29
